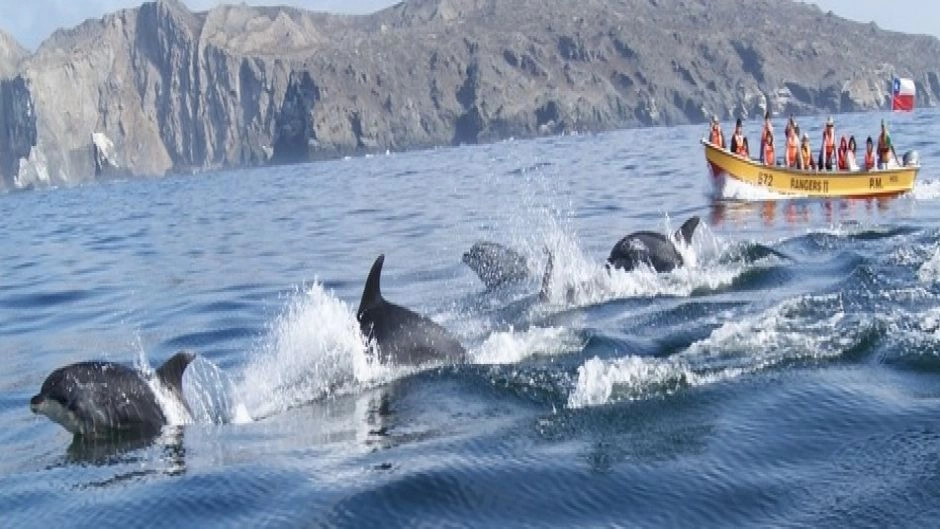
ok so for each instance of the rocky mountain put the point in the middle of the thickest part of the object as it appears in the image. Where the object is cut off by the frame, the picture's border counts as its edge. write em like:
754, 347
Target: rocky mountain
159, 88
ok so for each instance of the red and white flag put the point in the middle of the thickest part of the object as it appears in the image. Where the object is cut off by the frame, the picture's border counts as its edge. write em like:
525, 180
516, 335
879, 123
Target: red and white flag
902, 94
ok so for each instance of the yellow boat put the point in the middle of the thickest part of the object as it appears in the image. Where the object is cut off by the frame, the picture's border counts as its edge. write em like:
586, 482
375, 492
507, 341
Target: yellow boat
736, 177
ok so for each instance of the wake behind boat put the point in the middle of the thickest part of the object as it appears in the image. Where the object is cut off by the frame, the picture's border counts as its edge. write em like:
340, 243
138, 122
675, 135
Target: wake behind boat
727, 170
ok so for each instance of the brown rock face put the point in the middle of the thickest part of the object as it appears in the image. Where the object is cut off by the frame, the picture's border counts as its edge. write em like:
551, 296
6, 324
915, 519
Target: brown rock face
159, 88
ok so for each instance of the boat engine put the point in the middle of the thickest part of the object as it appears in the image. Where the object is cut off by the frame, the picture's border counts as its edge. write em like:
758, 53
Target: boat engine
911, 158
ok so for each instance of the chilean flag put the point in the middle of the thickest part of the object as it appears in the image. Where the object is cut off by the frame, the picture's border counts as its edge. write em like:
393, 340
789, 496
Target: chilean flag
902, 94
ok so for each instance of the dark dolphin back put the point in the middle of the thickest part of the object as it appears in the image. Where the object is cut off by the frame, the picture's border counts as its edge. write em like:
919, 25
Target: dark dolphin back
645, 247
402, 335
495, 264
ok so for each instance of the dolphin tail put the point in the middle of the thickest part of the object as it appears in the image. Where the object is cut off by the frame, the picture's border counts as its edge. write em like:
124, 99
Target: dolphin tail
170, 373
687, 229
547, 276
372, 293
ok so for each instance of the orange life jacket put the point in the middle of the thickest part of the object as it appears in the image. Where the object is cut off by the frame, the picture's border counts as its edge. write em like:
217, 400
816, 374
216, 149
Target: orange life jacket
741, 150
829, 143
717, 138
793, 147
869, 160
769, 155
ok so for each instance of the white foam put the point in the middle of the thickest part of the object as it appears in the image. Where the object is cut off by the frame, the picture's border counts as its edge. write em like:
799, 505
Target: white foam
513, 346
312, 350
929, 272
926, 190
803, 328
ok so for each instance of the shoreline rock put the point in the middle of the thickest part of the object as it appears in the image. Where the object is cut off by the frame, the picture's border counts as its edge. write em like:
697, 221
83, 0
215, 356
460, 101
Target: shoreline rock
164, 89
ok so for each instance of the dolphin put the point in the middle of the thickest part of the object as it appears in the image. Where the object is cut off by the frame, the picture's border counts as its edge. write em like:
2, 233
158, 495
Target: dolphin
401, 335
98, 399
495, 264
654, 249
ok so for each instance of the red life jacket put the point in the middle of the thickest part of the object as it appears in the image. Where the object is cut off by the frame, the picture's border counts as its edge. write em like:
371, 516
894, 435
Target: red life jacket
869, 160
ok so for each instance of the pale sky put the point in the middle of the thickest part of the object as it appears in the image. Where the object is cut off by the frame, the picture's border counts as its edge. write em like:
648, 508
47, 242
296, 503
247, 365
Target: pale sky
31, 21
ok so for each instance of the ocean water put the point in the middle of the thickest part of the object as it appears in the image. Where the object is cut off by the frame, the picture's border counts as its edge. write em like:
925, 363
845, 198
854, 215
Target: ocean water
797, 387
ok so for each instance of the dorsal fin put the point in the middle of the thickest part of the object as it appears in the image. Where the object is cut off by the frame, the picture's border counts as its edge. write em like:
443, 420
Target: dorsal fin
372, 293
547, 276
170, 373
687, 229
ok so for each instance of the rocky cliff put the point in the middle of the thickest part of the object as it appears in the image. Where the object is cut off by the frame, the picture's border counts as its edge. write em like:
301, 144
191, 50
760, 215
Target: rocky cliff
159, 88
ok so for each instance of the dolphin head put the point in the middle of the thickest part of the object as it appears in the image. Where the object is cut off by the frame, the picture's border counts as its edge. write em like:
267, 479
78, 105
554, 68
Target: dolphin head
56, 400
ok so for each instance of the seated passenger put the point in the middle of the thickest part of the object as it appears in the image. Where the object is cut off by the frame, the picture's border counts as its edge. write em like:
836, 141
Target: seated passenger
716, 137
768, 130
851, 161
827, 152
869, 154
769, 157
793, 148
806, 155
842, 153
885, 148
738, 141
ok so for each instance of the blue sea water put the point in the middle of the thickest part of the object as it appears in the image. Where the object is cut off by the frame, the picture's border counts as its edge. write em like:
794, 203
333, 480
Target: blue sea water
746, 389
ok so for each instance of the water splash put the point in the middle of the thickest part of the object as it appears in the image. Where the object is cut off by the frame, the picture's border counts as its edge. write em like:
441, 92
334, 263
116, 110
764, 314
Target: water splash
312, 350
173, 409
513, 346
577, 281
926, 190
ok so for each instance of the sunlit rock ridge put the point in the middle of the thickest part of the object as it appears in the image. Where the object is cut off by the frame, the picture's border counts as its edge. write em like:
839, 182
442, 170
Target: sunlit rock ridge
160, 89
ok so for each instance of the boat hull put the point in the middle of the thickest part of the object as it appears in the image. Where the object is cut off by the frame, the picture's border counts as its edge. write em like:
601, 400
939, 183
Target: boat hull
726, 168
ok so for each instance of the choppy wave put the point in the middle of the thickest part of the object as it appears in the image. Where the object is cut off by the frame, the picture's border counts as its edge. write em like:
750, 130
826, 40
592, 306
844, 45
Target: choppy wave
806, 328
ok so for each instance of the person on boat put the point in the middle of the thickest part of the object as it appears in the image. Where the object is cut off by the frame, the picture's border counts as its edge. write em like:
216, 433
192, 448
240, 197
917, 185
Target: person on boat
851, 162
827, 153
738, 141
869, 154
793, 147
716, 137
806, 154
768, 156
842, 154
767, 131
885, 148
